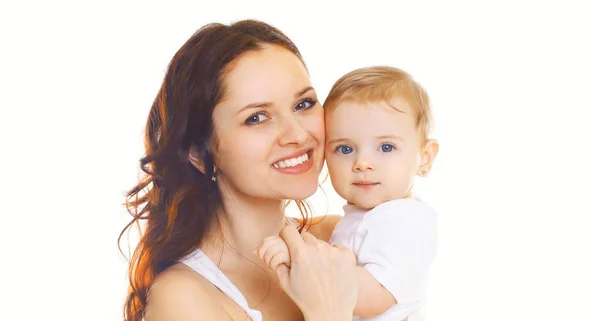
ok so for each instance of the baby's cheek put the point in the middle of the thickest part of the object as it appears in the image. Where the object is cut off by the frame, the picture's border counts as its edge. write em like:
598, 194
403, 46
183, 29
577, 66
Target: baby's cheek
338, 180
335, 168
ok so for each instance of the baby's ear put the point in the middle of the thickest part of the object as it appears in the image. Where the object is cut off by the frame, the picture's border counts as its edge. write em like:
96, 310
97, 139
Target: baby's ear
428, 154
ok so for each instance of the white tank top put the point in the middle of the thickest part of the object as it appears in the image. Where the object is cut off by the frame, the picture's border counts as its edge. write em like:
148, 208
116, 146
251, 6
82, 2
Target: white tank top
203, 265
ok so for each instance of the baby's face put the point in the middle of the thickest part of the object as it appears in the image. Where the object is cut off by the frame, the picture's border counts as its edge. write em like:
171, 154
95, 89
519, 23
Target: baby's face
373, 151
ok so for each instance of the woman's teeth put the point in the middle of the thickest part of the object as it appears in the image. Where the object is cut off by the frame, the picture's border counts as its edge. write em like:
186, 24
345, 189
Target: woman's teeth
291, 162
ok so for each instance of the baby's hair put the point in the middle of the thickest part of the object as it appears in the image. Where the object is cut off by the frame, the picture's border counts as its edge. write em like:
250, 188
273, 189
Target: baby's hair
382, 83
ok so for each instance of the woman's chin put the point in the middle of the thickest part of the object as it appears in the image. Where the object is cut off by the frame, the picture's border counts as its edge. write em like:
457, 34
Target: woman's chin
299, 192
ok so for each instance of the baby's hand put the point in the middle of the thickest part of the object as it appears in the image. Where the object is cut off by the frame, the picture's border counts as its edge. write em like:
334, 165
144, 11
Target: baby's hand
274, 252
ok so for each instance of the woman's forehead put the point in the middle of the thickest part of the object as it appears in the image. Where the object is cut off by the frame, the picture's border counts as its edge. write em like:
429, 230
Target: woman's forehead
267, 74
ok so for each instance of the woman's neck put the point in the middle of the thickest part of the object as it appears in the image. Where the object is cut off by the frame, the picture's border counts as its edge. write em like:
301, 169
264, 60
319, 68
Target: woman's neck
241, 226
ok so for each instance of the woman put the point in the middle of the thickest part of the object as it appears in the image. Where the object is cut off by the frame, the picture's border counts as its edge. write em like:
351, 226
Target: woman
236, 131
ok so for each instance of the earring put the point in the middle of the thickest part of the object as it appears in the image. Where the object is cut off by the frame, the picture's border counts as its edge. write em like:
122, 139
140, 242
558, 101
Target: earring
214, 177
423, 172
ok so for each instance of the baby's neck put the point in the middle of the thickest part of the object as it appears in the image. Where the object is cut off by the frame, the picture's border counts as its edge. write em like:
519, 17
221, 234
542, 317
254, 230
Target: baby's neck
407, 196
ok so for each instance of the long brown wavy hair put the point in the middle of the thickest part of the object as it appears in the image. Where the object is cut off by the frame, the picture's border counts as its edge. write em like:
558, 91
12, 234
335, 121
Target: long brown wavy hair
176, 201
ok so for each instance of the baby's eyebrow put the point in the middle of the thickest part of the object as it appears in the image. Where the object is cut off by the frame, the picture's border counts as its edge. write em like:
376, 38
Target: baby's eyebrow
390, 137
337, 140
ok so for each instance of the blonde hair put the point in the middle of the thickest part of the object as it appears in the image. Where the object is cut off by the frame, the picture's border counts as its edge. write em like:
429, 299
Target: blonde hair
382, 83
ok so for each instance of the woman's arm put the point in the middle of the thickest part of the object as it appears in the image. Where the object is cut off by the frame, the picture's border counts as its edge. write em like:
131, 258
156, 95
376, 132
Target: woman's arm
177, 295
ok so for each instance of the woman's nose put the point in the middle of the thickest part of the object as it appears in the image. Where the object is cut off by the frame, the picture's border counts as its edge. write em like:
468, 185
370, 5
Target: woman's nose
292, 132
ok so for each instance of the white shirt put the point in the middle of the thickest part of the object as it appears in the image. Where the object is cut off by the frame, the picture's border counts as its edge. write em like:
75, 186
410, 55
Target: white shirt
396, 242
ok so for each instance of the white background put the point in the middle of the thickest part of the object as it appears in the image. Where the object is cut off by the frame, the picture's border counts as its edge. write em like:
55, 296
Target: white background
514, 87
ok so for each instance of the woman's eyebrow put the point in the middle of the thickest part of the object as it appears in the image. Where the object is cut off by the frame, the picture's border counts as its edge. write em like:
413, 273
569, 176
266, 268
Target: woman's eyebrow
255, 105
269, 104
304, 91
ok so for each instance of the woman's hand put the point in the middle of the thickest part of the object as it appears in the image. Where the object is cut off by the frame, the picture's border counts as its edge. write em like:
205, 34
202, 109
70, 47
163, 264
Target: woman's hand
322, 279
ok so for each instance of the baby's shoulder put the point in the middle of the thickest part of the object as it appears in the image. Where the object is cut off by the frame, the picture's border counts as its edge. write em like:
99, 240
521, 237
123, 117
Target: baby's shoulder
322, 226
401, 211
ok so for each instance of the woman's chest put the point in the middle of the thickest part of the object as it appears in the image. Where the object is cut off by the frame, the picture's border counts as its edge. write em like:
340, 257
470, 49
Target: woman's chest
279, 307
266, 296
272, 309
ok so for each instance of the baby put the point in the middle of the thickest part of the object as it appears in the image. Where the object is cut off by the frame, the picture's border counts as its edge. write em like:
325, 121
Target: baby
377, 121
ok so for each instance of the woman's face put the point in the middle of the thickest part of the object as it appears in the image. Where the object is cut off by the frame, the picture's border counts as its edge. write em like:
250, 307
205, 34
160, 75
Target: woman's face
269, 128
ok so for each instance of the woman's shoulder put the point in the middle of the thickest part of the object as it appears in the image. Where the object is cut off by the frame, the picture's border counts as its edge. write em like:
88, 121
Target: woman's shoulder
180, 293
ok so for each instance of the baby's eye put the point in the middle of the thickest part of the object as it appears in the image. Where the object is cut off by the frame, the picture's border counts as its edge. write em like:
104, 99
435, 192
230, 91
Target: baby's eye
344, 149
256, 119
305, 104
386, 148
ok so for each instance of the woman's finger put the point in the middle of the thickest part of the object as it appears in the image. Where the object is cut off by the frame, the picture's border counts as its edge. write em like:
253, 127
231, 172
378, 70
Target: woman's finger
309, 238
346, 252
283, 274
292, 239
340, 246
319, 273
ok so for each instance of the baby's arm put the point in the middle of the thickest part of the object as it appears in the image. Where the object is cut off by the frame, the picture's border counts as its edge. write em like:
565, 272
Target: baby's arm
373, 298
396, 250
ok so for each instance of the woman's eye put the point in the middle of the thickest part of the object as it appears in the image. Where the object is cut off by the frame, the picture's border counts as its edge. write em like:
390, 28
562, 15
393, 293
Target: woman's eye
344, 149
305, 104
255, 119
386, 148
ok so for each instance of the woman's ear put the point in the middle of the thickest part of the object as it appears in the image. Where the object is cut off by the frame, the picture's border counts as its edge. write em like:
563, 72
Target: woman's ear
428, 154
195, 157
198, 159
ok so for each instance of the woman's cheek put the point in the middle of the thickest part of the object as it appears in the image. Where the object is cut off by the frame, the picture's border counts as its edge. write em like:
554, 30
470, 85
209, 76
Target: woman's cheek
316, 126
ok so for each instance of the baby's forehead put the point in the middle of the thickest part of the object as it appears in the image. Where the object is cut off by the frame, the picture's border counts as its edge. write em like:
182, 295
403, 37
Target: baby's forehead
394, 105
379, 119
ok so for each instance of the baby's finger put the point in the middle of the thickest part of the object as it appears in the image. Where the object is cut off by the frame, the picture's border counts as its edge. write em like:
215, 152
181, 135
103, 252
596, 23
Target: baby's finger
278, 259
267, 243
273, 250
271, 238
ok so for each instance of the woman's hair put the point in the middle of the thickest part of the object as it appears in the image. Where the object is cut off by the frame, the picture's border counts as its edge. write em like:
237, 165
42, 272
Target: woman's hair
176, 200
